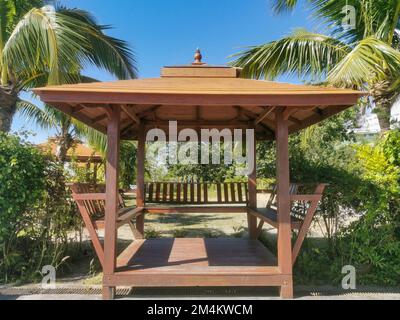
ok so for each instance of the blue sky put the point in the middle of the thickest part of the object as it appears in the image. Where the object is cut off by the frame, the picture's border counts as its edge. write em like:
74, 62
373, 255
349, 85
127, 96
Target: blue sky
167, 32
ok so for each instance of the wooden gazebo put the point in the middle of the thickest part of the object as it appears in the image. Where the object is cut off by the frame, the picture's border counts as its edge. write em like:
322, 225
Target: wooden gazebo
197, 96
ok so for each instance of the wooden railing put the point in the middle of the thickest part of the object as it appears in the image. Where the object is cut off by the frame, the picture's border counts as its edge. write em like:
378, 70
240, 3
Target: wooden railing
196, 193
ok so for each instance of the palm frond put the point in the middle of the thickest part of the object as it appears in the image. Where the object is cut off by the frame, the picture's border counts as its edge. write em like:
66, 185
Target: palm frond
300, 54
370, 60
35, 114
40, 41
96, 139
370, 16
282, 6
104, 52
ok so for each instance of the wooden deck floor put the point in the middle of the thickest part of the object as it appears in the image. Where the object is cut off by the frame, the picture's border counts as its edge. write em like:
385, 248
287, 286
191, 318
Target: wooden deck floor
196, 262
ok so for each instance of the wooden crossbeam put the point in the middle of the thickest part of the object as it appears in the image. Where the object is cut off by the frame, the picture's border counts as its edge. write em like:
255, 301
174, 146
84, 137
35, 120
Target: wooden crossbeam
148, 112
130, 114
289, 112
263, 115
99, 118
253, 116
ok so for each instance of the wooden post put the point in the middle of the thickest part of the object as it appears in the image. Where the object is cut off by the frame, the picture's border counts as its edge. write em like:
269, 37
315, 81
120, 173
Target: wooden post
140, 196
252, 187
284, 220
110, 228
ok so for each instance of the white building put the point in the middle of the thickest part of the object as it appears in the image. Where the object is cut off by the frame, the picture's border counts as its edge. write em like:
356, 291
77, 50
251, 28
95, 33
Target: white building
370, 124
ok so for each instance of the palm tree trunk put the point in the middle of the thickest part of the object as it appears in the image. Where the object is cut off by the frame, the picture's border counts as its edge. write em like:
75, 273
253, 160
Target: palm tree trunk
383, 112
8, 106
65, 141
384, 99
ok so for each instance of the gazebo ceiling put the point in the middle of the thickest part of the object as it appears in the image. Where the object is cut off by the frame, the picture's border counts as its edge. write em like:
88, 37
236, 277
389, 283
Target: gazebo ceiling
198, 96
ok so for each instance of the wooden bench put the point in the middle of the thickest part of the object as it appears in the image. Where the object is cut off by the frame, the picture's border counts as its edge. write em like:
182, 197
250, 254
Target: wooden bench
196, 197
269, 214
90, 200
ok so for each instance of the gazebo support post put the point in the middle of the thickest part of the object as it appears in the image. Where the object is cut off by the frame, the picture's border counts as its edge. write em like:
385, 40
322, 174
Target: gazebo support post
284, 220
140, 196
252, 187
110, 228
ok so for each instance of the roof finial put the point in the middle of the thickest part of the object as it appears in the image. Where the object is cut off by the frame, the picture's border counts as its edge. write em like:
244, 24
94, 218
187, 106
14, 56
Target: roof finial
197, 58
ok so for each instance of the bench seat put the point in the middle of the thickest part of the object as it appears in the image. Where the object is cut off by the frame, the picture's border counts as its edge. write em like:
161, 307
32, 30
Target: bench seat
270, 216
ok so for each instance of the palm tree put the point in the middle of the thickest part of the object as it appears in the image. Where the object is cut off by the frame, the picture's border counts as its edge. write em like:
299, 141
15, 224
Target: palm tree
47, 45
364, 57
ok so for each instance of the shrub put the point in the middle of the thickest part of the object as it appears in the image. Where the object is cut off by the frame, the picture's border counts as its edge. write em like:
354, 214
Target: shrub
360, 212
21, 186
35, 214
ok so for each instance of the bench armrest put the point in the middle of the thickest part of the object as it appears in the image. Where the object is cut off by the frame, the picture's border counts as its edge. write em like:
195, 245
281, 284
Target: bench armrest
265, 191
306, 197
88, 196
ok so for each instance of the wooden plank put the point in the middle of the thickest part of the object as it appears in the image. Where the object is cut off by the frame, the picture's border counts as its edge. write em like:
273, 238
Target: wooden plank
125, 257
140, 192
158, 191
240, 192
90, 226
252, 191
185, 193
263, 278
171, 192
198, 185
197, 262
165, 191
112, 194
192, 192
178, 192
264, 115
233, 193
226, 194
205, 188
151, 191
131, 114
197, 209
307, 220
219, 195
284, 220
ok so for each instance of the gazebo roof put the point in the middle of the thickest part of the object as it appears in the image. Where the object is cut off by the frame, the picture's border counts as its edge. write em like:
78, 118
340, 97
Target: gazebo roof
78, 152
198, 96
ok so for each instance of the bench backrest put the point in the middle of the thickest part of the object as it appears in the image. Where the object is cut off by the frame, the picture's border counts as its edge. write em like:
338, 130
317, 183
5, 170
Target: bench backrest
293, 189
95, 206
196, 193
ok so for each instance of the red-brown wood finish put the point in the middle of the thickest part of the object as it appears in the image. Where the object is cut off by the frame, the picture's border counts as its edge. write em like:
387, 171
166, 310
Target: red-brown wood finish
110, 231
284, 219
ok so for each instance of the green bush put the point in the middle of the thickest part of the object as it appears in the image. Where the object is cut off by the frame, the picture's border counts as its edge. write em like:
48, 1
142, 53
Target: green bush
22, 184
359, 215
35, 214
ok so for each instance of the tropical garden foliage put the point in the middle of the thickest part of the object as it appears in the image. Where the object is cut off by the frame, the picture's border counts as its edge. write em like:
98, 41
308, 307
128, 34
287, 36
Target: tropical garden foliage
359, 216
46, 45
364, 55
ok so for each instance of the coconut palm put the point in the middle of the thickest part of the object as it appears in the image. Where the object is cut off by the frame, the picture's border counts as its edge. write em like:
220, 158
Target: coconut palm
365, 56
46, 45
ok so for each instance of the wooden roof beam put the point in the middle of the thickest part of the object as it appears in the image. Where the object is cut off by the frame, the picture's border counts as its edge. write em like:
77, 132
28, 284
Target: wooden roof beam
289, 112
264, 115
130, 114
99, 118
146, 113
253, 116
76, 110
